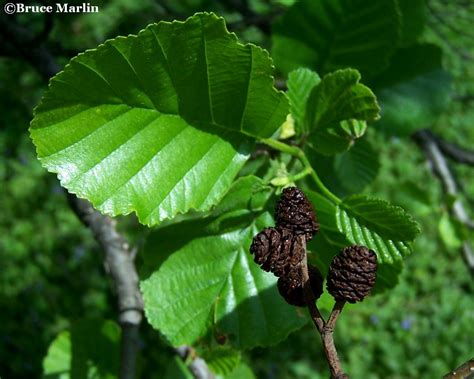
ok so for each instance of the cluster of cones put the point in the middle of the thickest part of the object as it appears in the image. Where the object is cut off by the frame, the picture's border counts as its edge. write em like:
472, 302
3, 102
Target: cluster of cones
281, 250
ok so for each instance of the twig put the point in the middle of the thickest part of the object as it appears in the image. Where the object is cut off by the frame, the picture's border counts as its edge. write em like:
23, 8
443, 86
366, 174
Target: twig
440, 167
325, 329
453, 151
465, 371
197, 365
121, 268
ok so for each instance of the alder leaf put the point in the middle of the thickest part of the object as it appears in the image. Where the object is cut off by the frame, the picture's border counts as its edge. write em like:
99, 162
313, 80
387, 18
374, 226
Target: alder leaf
300, 84
325, 35
384, 228
213, 285
222, 360
414, 90
158, 123
377, 224
335, 109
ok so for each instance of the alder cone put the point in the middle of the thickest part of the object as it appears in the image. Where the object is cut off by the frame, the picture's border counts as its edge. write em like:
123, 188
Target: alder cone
294, 211
277, 250
352, 274
291, 286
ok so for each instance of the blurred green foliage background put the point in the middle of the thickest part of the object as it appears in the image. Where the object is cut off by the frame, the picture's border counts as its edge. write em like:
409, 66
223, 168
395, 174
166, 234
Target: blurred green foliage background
51, 270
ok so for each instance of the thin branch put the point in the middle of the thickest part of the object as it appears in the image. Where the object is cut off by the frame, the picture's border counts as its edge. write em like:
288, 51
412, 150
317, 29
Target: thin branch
454, 152
325, 329
196, 365
441, 168
299, 153
121, 268
336, 311
465, 371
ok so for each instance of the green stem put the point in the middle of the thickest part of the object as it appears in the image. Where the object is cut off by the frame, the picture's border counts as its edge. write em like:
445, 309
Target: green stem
283, 147
298, 153
285, 180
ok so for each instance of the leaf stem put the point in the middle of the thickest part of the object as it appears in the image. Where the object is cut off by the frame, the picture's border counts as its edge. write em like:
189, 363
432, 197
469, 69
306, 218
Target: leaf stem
284, 180
300, 154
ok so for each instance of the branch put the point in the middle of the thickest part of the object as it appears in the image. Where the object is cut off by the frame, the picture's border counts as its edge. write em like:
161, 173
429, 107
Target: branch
119, 263
197, 366
465, 371
440, 167
325, 329
453, 151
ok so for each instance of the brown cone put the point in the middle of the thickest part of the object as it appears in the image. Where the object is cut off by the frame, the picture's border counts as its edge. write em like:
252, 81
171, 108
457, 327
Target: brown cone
293, 211
352, 274
276, 250
291, 286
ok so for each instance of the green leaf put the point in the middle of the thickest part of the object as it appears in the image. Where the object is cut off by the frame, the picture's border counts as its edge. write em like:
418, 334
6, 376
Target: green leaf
243, 371
214, 286
242, 204
370, 222
357, 168
90, 349
325, 35
413, 17
177, 369
450, 232
334, 110
158, 123
248, 192
414, 90
300, 84
384, 228
348, 172
222, 360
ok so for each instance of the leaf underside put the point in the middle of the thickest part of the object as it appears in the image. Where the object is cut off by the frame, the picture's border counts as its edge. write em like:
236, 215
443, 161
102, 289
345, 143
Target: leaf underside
215, 287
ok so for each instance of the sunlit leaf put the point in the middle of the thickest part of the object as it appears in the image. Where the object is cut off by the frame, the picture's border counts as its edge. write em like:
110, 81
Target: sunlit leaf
158, 123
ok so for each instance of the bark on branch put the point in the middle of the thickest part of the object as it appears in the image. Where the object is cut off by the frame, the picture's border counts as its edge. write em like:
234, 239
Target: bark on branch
119, 263
325, 329
442, 170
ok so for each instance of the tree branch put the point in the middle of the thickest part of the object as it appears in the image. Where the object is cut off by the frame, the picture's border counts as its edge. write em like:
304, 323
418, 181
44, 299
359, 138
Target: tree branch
465, 371
197, 365
441, 168
324, 329
119, 263
453, 151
